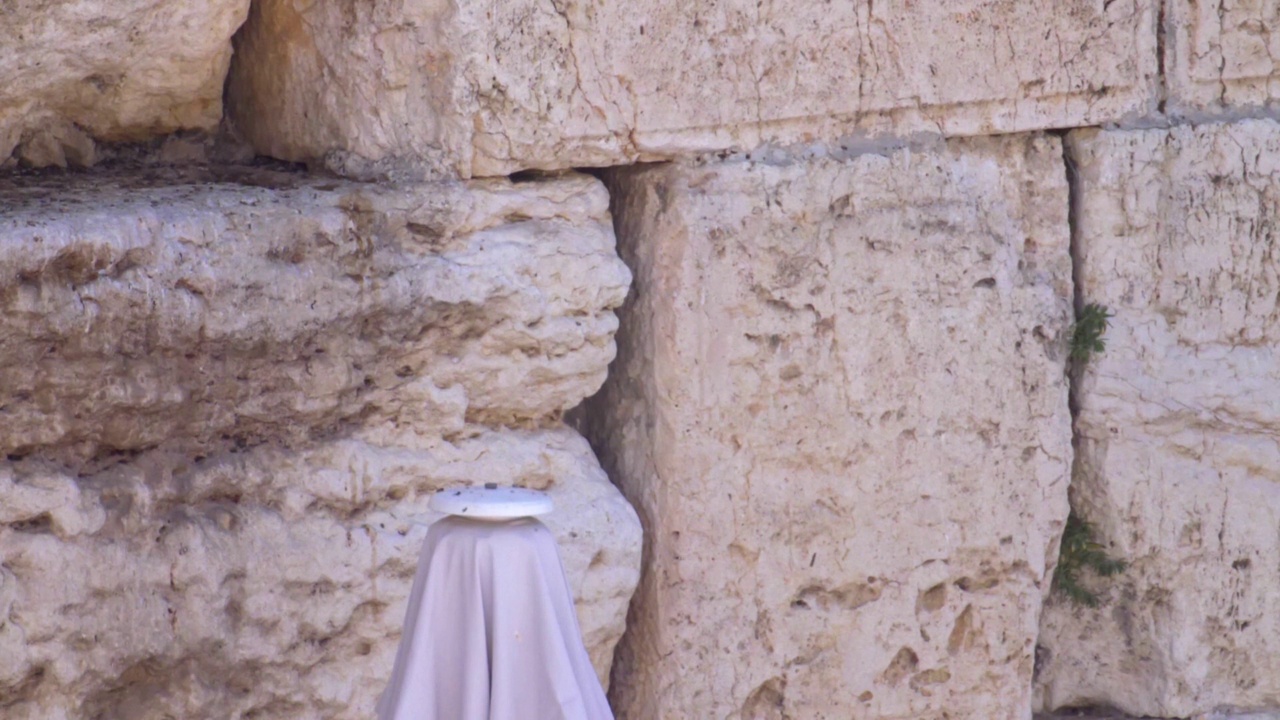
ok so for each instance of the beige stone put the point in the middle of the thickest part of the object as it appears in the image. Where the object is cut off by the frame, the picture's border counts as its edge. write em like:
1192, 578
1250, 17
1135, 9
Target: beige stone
227, 396
270, 583
1179, 424
229, 308
1105, 714
76, 71
1222, 54
840, 408
488, 88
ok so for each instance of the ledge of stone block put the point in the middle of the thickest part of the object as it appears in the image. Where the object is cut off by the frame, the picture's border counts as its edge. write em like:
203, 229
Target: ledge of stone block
236, 305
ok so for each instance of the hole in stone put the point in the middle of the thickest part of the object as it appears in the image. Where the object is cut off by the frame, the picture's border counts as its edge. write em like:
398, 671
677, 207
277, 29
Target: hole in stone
933, 598
904, 663
526, 176
41, 523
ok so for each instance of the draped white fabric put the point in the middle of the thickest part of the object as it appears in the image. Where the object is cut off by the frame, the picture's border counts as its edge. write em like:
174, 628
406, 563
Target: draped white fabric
490, 632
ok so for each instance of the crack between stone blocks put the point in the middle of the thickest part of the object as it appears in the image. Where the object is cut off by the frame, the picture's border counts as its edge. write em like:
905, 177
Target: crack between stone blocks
1071, 369
1162, 70
1071, 168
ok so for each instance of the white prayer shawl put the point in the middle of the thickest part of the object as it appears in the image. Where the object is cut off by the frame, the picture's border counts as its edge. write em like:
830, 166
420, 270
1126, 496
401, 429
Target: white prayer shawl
490, 632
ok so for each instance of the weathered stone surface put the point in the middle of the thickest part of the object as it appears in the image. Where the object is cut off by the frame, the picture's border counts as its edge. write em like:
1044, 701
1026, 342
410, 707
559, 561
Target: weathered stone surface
1179, 423
76, 71
840, 408
1116, 715
227, 396
487, 88
270, 583
243, 307
1222, 54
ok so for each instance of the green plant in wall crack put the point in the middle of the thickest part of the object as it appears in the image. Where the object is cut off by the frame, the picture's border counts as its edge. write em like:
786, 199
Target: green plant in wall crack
1080, 551
1086, 336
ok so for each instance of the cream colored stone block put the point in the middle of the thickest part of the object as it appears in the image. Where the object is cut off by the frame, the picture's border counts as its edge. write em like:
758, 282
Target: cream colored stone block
1179, 423
1222, 54
207, 310
840, 408
271, 583
419, 87
76, 71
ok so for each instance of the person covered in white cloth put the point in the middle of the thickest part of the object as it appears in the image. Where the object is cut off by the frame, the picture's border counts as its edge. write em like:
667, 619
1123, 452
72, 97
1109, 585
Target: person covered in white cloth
490, 632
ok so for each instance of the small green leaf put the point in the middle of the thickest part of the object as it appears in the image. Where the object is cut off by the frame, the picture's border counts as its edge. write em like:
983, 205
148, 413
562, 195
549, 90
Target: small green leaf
1086, 335
1079, 551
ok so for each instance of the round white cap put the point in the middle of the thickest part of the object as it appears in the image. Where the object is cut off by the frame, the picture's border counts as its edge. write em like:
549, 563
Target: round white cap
491, 502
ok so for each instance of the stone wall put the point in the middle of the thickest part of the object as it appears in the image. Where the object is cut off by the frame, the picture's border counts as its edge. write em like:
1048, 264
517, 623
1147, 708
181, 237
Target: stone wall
1179, 422
74, 73
848, 492
502, 85
229, 394
843, 431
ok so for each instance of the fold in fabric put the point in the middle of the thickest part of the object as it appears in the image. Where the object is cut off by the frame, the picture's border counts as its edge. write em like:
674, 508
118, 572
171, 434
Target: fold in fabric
490, 632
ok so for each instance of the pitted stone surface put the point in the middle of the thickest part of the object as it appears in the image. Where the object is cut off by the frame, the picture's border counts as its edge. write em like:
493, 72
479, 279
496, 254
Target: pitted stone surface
840, 408
488, 88
1224, 55
270, 583
249, 306
73, 72
229, 394
1179, 424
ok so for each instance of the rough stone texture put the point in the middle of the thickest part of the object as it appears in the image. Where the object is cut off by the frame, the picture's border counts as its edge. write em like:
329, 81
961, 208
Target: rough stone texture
1179, 423
487, 88
840, 408
1115, 715
227, 397
73, 72
265, 584
246, 306
1222, 54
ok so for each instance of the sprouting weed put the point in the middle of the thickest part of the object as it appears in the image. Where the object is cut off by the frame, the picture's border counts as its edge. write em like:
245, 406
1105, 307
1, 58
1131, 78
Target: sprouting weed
1079, 551
1086, 336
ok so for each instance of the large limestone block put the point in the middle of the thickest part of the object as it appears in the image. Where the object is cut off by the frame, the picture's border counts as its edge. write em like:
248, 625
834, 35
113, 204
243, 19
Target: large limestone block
73, 72
1222, 55
270, 583
840, 408
231, 308
491, 87
1179, 424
